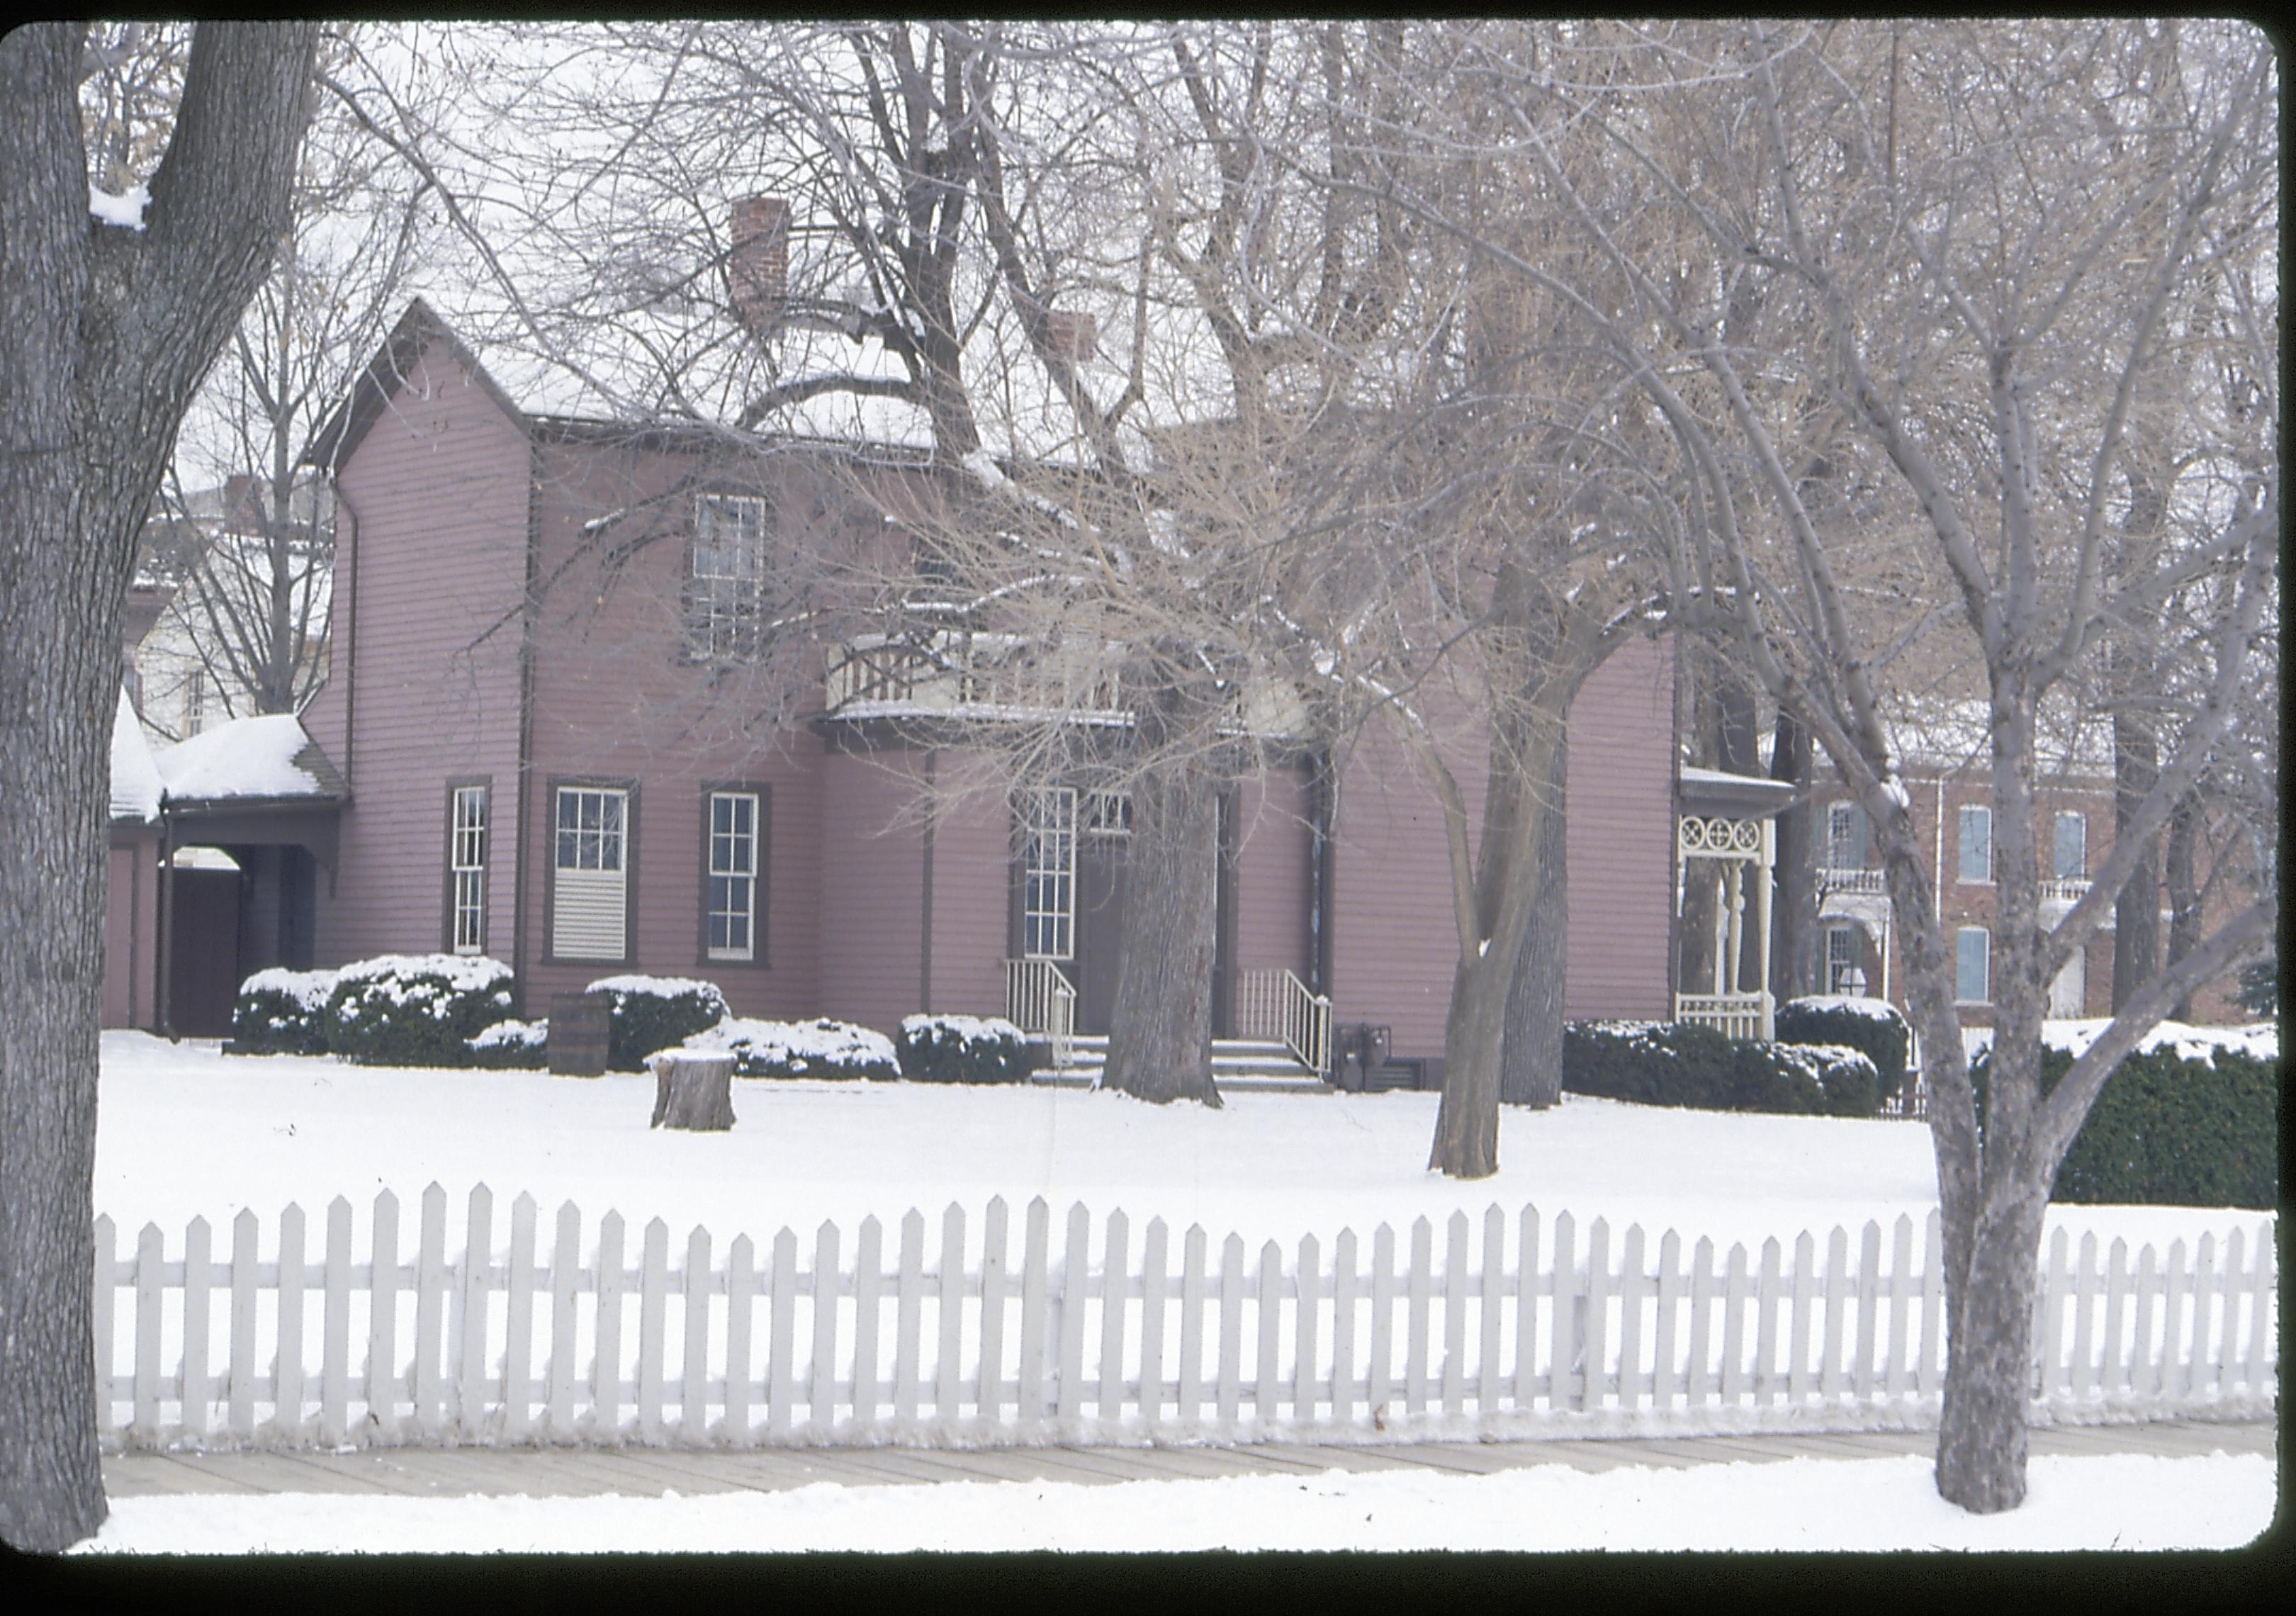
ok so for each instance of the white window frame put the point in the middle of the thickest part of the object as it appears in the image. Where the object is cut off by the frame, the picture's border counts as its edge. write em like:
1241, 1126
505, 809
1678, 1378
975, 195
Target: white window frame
730, 891
1048, 874
1839, 817
1970, 814
2079, 871
590, 867
1107, 813
1838, 968
726, 576
1961, 960
195, 702
466, 867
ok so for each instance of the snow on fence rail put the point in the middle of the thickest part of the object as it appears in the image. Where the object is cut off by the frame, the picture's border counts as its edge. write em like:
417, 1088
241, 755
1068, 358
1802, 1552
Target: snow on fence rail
590, 1341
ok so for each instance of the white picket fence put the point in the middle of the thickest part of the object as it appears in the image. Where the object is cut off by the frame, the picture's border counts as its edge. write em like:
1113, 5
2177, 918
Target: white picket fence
511, 1343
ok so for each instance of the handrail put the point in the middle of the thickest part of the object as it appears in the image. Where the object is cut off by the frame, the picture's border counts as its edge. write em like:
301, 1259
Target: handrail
1039, 1000
1275, 1004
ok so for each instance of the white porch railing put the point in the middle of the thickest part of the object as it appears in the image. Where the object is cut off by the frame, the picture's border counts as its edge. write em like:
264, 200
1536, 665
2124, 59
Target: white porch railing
1871, 882
1741, 1015
2065, 890
1039, 1000
599, 1334
1275, 1005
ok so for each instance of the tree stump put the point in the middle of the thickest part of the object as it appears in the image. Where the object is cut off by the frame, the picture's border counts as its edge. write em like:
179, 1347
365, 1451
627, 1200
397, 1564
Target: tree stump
691, 1090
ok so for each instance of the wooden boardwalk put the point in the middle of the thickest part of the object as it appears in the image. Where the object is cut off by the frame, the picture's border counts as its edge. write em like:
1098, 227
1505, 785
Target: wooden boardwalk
651, 1471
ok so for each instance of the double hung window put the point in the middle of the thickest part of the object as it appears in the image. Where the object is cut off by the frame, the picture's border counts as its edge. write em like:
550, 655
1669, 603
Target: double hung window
730, 882
1048, 831
590, 890
466, 865
725, 590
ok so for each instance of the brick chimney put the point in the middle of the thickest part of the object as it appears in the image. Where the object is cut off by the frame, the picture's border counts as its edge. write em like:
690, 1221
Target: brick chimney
757, 269
1075, 336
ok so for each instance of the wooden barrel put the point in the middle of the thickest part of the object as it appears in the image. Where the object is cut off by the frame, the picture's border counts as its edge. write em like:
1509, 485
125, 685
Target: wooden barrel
579, 1026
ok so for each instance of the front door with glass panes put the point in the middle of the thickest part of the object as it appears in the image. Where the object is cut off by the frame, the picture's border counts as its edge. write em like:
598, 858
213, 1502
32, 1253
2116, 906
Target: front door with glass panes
1069, 900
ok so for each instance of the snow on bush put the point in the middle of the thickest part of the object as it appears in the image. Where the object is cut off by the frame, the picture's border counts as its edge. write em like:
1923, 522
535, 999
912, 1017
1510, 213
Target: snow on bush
963, 1049
511, 1043
1681, 1063
415, 1009
282, 1013
1872, 1025
650, 1013
800, 1049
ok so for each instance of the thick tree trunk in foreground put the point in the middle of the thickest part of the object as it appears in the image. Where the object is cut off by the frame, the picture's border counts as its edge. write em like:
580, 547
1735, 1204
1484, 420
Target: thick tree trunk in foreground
104, 334
1160, 1040
1981, 1441
1530, 1057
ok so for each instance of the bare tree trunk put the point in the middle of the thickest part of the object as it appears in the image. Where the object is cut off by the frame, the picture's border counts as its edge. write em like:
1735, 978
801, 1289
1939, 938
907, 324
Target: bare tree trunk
2181, 873
104, 333
1793, 949
2137, 912
1530, 1057
1159, 1039
1981, 1440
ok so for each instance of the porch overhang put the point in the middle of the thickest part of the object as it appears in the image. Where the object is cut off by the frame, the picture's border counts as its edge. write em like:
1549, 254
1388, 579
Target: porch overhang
1713, 793
313, 824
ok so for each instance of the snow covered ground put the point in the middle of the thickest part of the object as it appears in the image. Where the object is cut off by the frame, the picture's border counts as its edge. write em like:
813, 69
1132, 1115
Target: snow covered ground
2130, 1501
183, 1130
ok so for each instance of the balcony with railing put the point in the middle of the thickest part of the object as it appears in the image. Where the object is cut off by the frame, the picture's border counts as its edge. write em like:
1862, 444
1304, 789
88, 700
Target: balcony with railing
1863, 882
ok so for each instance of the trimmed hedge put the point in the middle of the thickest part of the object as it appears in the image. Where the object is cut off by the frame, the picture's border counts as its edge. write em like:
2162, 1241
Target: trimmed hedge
962, 1049
650, 1013
512, 1046
2169, 1131
282, 1013
1872, 1025
415, 1009
1680, 1063
802, 1049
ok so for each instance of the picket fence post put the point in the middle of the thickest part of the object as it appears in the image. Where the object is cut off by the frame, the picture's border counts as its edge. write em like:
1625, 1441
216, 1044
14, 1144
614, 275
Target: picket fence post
196, 1279
240, 1416
287, 1372
989, 1397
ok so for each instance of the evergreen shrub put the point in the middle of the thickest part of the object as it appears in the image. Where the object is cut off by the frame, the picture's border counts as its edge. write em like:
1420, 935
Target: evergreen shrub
512, 1046
962, 1049
650, 1013
282, 1013
1872, 1025
1684, 1064
802, 1049
2170, 1130
415, 1009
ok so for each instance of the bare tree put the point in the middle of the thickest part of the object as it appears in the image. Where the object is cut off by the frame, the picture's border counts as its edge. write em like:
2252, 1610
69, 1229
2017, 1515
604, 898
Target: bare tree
110, 322
1964, 263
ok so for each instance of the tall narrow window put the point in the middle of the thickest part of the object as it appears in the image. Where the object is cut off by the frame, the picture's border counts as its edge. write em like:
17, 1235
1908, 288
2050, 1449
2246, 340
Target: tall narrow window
195, 702
466, 863
1048, 874
590, 917
727, 591
2071, 846
730, 897
1972, 966
1845, 954
1845, 837
1976, 862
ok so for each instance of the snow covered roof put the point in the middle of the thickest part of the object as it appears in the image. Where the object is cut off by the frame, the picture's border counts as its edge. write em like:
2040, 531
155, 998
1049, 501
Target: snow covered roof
266, 757
1718, 790
136, 784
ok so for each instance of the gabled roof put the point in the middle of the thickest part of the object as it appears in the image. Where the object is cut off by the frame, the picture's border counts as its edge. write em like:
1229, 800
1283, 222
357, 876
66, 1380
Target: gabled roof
417, 329
268, 759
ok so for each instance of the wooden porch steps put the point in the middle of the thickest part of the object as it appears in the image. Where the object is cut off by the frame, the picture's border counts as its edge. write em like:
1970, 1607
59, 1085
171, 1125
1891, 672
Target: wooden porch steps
1242, 1064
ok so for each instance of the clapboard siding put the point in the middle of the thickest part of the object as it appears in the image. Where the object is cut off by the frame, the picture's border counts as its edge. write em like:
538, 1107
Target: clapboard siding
614, 699
1395, 943
972, 876
1272, 874
435, 495
873, 887
1619, 839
